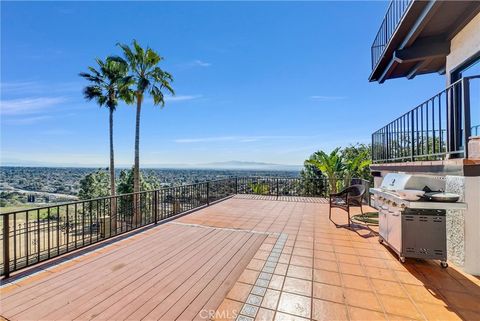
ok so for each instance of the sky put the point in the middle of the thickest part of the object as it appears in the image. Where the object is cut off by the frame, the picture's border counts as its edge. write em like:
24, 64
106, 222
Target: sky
255, 81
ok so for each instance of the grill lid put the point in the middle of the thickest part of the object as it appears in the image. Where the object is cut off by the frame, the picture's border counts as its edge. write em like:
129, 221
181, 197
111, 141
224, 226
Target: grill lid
402, 181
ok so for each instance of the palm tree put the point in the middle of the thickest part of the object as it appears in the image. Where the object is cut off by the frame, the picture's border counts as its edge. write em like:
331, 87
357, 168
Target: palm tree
329, 164
108, 84
148, 78
355, 166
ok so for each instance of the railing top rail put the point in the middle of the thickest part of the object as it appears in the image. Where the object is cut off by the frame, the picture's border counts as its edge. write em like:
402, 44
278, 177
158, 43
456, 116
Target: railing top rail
112, 197
99, 199
394, 14
429, 99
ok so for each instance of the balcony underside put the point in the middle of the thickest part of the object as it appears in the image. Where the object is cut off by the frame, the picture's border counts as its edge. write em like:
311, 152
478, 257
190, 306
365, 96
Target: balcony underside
304, 266
422, 38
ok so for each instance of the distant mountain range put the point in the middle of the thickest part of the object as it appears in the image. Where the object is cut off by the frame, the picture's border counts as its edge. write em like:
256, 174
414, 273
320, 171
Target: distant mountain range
214, 165
249, 165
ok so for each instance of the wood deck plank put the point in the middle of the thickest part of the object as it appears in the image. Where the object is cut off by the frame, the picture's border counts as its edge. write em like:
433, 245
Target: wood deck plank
183, 295
141, 264
62, 283
215, 291
25, 290
172, 291
126, 297
174, 265
136, 282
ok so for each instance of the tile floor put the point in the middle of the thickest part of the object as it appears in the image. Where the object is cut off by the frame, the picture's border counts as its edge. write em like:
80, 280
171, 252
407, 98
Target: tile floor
326, 271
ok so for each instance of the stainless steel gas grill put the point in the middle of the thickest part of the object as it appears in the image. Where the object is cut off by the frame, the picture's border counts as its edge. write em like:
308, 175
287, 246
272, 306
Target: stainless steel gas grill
413, 229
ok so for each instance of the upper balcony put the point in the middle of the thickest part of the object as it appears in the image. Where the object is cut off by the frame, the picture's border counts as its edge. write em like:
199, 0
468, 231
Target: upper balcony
414, 37
436, 130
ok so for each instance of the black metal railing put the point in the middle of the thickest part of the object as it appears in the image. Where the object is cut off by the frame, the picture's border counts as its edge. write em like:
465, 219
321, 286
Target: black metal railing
438, 128
395, 12
34, 235
475, 130
292, 186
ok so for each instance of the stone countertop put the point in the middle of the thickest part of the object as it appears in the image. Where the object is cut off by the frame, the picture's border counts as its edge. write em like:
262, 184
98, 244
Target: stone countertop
416, 204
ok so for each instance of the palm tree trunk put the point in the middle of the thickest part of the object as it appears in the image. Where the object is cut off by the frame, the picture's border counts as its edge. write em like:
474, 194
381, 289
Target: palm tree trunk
112, 162
136, 166
333, 184
113, 203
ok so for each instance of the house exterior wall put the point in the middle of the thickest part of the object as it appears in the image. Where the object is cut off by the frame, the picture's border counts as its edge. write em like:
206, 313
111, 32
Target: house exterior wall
472, 226
464, 45
463, 227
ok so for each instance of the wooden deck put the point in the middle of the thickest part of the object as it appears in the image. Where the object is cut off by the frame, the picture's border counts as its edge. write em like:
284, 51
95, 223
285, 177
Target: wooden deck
248, 258
170, 272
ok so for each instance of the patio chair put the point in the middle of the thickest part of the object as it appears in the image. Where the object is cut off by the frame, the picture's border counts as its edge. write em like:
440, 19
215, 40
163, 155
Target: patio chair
349, 197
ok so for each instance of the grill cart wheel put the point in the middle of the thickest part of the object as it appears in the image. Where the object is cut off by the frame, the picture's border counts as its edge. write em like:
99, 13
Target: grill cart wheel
380, 240
444, 264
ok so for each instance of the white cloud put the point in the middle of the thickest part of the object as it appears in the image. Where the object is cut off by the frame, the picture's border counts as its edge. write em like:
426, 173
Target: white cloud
20, 86
240, 139
201, 63
56, 132
26, 120
205, 139
181, 98
195, 63
31, 105
326, 98
36, 88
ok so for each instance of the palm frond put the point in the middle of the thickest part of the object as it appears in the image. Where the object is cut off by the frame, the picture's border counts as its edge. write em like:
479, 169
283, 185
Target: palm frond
110, 82
92, 92
157, 95
146, 75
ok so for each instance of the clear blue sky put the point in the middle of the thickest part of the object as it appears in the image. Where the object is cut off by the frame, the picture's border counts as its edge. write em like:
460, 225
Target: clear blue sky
266, 82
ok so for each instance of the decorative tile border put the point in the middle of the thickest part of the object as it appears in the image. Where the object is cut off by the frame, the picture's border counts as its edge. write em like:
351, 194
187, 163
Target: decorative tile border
254, 300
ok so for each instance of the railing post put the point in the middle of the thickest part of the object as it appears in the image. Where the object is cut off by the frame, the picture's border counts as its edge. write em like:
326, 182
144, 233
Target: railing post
236, 185
412, 133
277, 189
6, 247
208, 193
155, 205
466, 114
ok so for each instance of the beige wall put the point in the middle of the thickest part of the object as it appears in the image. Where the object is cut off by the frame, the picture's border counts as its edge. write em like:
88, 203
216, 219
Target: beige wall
464, 45
472, 226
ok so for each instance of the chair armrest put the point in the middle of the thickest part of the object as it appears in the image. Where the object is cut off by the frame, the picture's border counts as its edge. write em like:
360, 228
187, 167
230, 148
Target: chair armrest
336, 196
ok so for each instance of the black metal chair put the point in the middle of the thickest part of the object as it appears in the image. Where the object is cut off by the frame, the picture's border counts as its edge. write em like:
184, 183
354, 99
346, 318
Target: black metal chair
349, 197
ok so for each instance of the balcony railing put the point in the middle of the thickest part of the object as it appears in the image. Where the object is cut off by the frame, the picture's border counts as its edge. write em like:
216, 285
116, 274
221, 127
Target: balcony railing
437, 129
395, 12
34, 235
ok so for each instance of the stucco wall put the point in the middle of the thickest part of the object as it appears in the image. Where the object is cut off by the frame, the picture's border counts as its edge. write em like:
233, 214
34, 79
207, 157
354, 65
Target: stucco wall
464, 45
472, 226
456, 222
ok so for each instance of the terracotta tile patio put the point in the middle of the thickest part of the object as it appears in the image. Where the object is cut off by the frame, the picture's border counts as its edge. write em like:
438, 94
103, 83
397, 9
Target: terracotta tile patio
329, 272
246, 258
